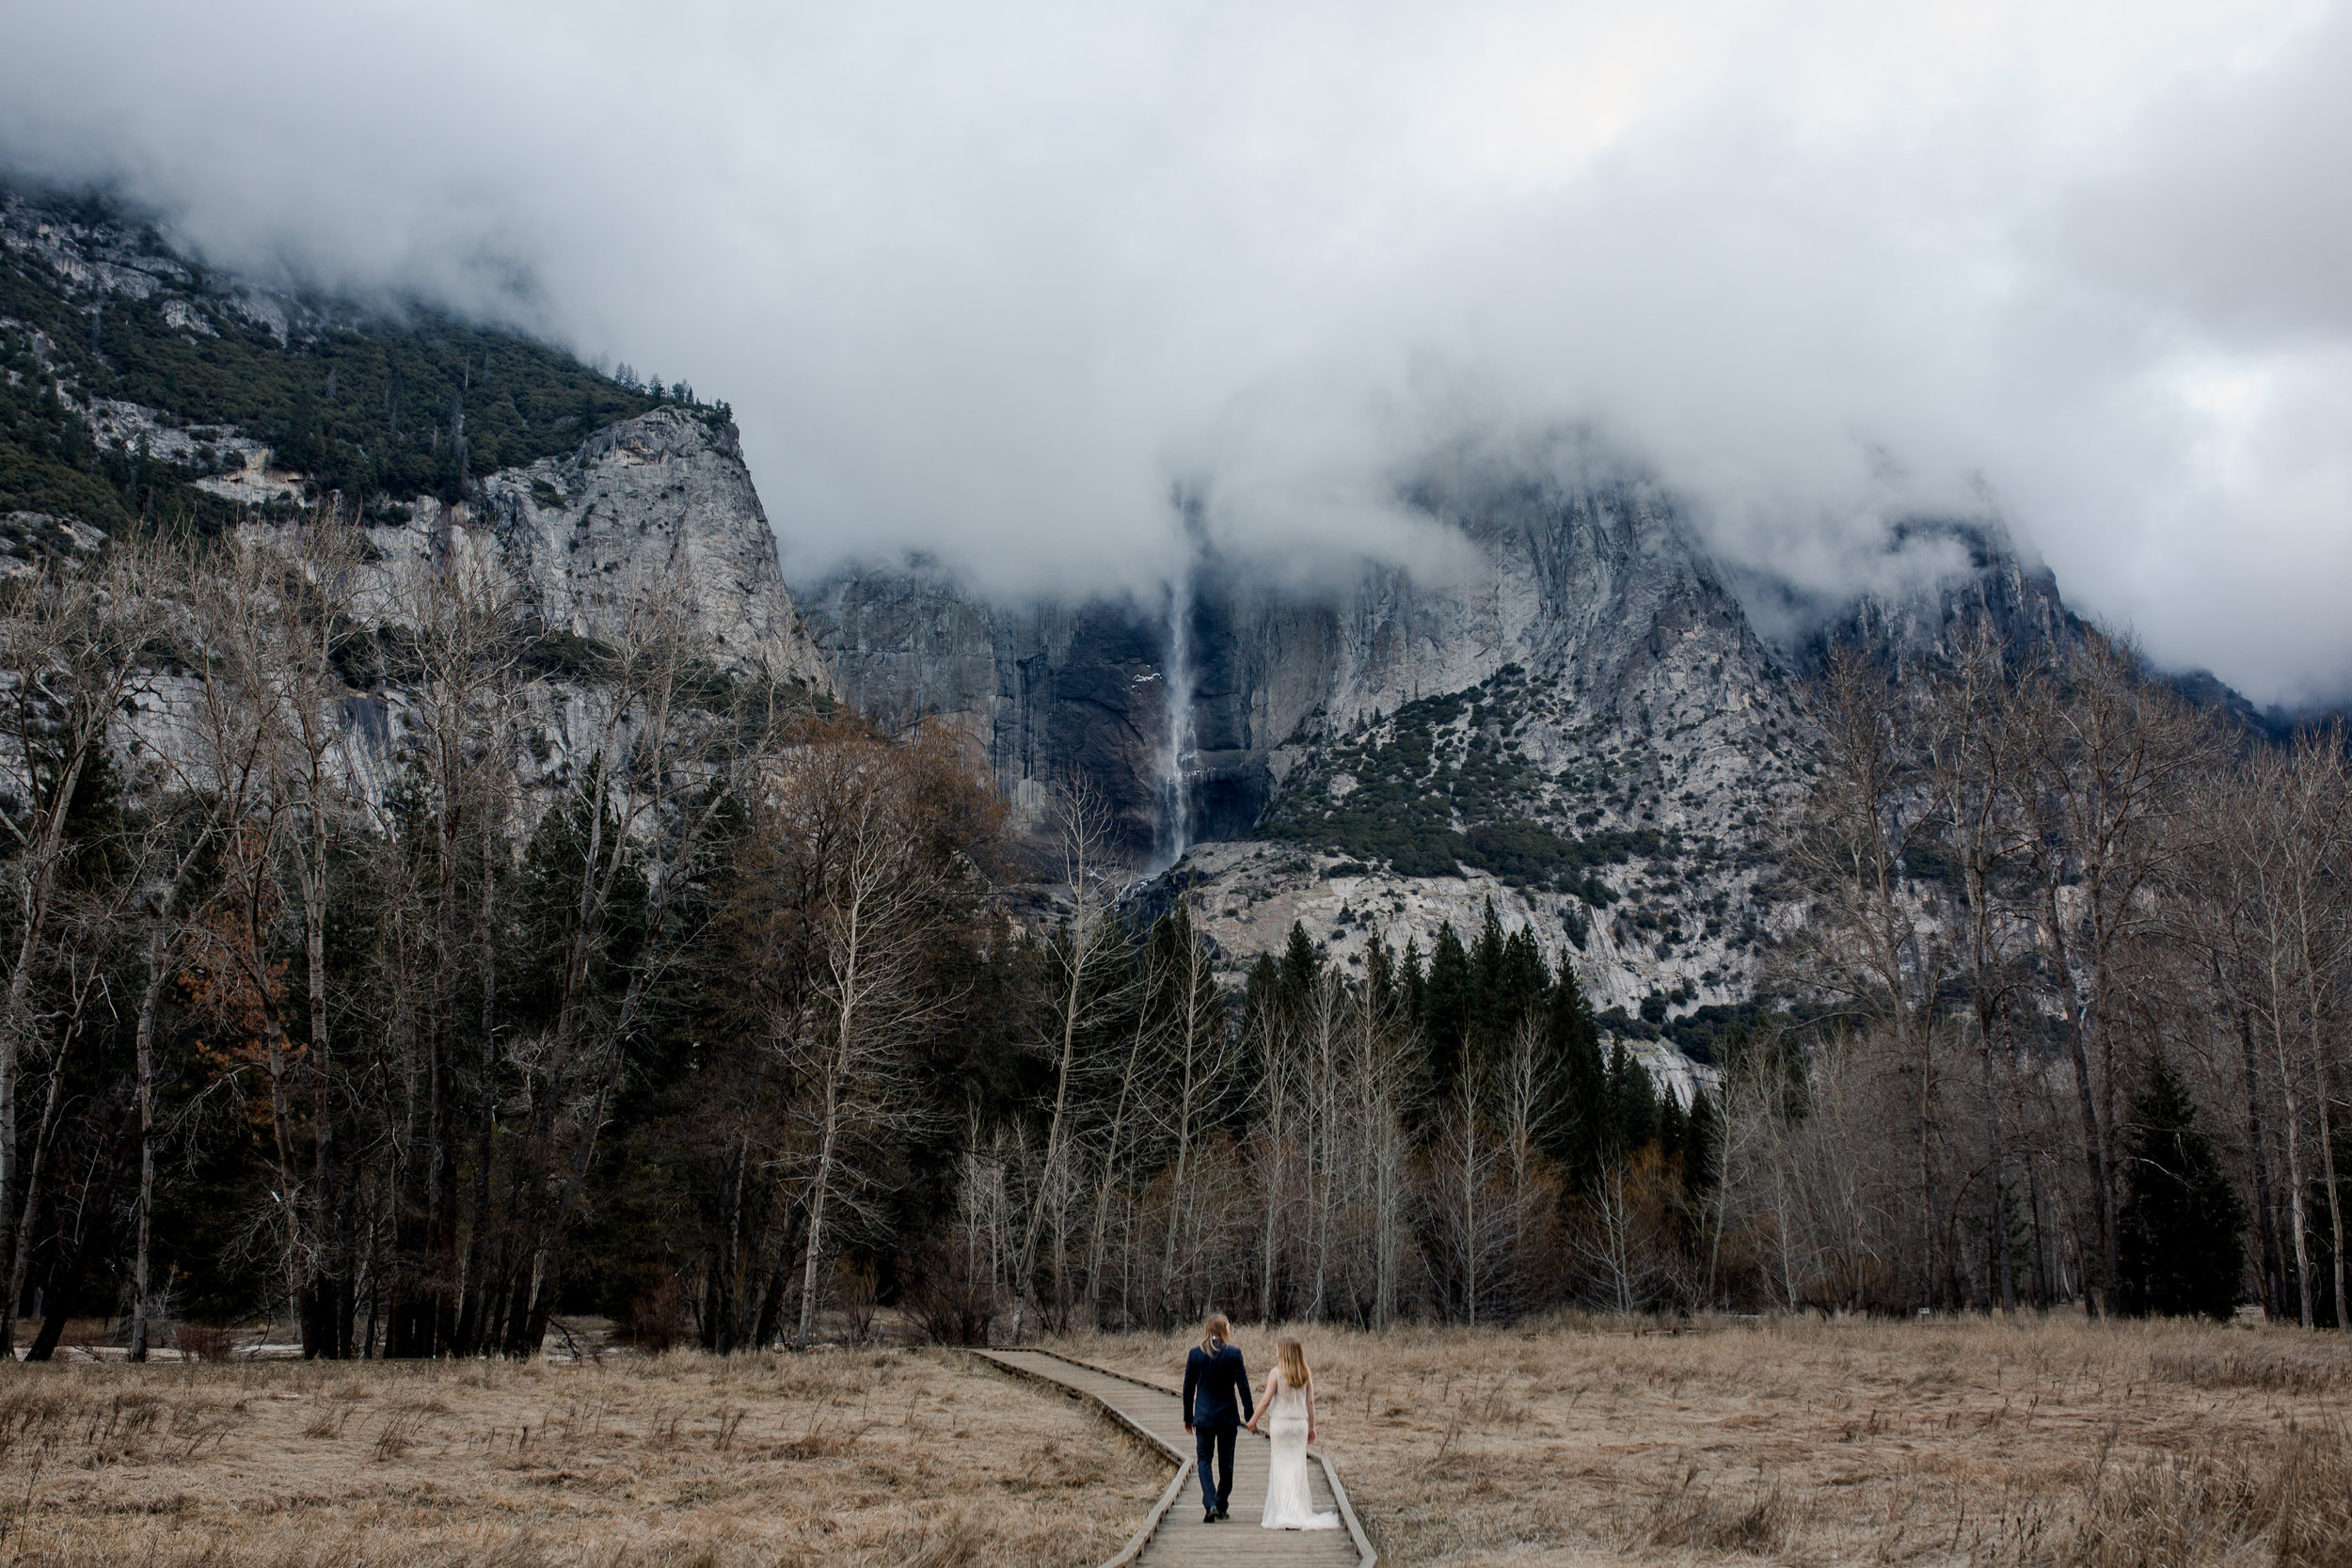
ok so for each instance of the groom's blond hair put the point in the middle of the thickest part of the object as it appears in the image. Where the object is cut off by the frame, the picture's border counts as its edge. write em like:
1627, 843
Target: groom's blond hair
1215, 1332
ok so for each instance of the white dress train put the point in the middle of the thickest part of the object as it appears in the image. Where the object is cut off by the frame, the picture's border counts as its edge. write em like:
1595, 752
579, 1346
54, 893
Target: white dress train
1289, 1503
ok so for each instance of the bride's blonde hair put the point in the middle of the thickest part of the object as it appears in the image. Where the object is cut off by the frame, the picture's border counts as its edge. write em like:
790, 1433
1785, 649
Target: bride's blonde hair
1215, 1332
1292, 1357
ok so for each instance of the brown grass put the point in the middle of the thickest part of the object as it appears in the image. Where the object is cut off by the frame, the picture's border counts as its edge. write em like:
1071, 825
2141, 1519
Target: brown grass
2063, 1443
2060, 1443
851, 1458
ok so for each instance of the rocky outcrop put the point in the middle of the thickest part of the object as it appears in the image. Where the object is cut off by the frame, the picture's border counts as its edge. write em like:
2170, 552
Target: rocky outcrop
662, 497
1048, 690
1614, 696
108, 257
1599, 594
1953, 581
663, 494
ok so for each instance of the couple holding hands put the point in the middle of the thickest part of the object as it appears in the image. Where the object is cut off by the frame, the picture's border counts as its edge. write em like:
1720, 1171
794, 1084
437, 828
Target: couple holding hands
1216, 1383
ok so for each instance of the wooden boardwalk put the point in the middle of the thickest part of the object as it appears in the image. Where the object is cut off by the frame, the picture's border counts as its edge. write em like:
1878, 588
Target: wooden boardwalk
1173, 1535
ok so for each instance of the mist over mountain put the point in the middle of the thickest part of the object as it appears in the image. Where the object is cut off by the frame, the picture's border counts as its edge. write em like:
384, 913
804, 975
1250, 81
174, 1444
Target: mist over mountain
417, 718
998, 287
1549, 695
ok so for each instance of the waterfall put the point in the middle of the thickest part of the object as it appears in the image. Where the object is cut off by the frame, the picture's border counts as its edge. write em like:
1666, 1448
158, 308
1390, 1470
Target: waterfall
1177, 748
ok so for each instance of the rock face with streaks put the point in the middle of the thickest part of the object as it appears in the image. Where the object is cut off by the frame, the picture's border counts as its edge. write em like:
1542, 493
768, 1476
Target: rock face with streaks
665, 492
1050, 691
1582, 725
604, 509
1598, 594
658, 500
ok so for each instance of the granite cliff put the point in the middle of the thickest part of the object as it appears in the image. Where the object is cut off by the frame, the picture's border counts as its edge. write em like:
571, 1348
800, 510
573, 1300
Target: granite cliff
1599, 594
664, 495
1584, 728
141, 390
1588, 723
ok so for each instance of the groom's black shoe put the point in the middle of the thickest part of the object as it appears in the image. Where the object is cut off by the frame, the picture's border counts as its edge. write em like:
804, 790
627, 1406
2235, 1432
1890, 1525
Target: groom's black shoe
1223, 1513
1208, 1515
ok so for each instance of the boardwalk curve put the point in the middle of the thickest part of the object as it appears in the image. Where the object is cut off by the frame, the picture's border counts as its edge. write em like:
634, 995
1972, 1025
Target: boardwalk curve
1174, 1536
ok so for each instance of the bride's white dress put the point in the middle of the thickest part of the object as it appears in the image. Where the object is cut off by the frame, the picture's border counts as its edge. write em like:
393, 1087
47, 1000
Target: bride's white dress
1289, 1504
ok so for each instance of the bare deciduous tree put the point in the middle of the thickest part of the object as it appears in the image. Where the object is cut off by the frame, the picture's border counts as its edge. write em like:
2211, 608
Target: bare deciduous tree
862, 820
1976, 766
72, 638
1873, 938
2109, 751
1075, 957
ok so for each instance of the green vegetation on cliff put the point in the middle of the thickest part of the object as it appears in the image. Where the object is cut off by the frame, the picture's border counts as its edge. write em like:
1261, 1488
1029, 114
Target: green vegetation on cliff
383, 406
1441, 786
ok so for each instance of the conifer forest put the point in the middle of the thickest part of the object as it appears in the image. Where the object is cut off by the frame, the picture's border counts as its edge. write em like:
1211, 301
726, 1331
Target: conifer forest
382, 963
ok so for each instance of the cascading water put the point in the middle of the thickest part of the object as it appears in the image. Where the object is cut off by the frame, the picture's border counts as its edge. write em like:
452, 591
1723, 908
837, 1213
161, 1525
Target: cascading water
1176, 759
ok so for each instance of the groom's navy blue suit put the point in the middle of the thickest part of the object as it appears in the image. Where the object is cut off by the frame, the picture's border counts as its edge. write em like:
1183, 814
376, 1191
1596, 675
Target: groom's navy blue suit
1213, 1384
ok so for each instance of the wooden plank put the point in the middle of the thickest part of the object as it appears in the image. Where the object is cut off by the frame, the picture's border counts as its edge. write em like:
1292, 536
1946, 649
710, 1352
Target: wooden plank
1366, 1557
1177, 1483
1136, 1543
1176, 1536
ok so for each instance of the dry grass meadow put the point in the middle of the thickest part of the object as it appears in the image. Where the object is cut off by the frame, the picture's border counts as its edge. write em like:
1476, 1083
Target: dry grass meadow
2060, 1442
840, 1458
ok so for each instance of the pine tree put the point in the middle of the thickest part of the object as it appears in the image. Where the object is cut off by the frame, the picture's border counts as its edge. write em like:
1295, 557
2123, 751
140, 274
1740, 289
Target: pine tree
1262, 993
1447, 1000
1381, 981
1702, 1144
1486, 1020
1522, 982
1633, 1101
1579, 1129
1413, 976
1671, 1126
1301, 965
2181, 1229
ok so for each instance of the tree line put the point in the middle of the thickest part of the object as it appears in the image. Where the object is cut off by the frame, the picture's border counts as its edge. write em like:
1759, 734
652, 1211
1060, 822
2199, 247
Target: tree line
2085, 951
374, 971
2062, 963
1428, 1138
361, 975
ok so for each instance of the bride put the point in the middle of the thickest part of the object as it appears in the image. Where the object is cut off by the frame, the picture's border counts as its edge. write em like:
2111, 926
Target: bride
1289, 1411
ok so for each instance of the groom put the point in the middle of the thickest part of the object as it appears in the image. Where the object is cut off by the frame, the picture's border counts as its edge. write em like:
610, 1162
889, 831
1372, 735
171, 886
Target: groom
1215, 1379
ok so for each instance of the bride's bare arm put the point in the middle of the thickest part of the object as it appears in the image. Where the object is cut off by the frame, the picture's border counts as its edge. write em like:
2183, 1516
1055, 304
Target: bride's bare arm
1311, 1413
1266, 1401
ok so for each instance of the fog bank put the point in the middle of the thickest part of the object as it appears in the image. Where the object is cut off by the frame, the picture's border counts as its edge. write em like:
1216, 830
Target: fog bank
1002, 282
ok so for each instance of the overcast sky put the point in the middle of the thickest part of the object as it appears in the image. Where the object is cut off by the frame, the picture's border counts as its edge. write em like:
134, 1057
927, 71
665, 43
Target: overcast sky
994, 279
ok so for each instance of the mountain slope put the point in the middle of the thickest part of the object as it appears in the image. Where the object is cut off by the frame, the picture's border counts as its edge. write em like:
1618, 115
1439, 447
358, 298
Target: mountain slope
1581, 728
1585, 728
382, 405
142, 391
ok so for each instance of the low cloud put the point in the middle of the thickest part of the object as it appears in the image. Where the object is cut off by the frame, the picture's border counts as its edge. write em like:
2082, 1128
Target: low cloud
1011, 283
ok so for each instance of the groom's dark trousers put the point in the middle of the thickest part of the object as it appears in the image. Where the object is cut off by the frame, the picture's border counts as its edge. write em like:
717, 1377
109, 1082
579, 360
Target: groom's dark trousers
1217, 1401
1216, 1443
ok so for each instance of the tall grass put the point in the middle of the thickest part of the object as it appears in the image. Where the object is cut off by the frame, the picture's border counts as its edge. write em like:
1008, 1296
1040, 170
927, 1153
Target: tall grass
870, 1460
2051, 1443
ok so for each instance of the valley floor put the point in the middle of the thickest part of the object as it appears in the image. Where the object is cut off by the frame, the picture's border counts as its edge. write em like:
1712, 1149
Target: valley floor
1580, 1441
1800, 1442
842, 1457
